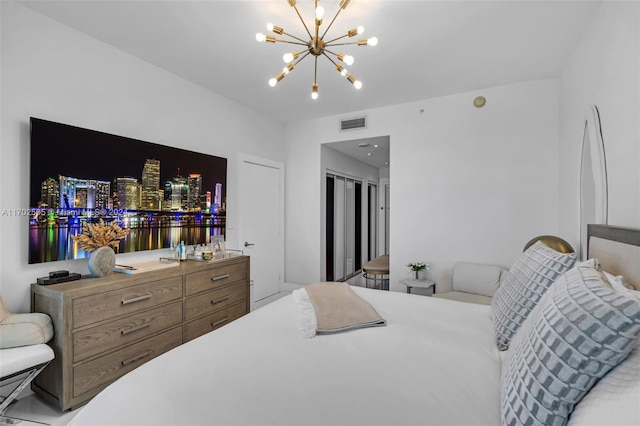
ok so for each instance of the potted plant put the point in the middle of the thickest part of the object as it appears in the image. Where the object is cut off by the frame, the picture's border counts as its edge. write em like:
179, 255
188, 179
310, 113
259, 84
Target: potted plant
416, 267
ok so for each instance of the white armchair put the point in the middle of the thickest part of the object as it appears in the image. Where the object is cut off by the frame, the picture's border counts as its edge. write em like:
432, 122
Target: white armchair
474, 282
23, 350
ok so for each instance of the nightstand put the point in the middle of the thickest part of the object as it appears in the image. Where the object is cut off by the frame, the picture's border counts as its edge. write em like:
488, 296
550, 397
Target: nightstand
412, 282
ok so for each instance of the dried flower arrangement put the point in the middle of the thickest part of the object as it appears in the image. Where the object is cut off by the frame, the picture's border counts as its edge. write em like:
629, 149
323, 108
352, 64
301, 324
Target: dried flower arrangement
100, 235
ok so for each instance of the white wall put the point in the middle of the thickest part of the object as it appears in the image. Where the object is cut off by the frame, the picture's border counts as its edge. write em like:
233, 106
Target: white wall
604, 70
466, 183
53, 72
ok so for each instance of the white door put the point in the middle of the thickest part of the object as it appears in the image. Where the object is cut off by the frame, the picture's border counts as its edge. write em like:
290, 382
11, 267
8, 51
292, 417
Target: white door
261, 213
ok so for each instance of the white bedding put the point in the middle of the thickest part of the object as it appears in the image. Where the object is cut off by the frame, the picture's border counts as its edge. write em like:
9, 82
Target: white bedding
435, 363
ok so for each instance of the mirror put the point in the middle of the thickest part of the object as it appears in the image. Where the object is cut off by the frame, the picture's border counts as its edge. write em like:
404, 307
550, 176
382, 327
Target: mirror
593, 177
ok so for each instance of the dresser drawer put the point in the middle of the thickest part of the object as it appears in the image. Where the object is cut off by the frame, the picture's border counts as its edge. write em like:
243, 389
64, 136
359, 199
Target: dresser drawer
214, 300
96, 374
210, 322
106, 337
215, 277
97, 307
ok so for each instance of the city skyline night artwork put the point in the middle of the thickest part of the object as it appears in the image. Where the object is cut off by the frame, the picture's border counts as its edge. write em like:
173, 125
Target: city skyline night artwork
163, 194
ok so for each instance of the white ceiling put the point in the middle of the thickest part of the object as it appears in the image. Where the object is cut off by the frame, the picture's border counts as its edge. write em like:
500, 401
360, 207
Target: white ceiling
427, 48
372, 151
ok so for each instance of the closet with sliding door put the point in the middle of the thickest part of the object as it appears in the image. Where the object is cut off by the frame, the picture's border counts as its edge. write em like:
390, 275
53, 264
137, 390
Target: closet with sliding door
346, 247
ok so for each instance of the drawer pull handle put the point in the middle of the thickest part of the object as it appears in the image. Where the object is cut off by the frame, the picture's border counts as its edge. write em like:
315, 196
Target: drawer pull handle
220, 300
135, 358
222, 321
134, 329
220, 277
136, 299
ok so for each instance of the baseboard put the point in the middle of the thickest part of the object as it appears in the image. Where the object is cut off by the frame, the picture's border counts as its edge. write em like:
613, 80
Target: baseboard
290, 286
285, 288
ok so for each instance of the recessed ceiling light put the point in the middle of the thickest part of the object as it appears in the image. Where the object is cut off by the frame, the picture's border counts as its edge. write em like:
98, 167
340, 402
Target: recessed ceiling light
375, 146
368, 153
363, 145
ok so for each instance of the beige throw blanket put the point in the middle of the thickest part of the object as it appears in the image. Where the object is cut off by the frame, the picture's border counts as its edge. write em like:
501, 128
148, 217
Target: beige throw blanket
330, 307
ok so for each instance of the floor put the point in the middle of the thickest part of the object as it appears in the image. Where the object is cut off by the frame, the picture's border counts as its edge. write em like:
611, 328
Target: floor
35, 412
357, 280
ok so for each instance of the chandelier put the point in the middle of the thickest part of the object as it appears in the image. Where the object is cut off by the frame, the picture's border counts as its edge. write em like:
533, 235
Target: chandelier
316, 46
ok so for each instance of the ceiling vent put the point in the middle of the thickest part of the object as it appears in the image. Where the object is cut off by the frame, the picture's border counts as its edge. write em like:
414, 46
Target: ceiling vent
353, 124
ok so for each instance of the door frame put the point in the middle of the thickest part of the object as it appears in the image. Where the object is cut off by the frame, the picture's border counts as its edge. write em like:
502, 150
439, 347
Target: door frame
243, 184
383, 215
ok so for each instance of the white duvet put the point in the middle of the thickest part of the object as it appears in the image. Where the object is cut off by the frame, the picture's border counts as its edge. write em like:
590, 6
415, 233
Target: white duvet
434, 363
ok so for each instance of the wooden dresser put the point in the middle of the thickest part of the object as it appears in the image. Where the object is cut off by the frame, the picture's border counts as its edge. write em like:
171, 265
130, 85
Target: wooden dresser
106, 327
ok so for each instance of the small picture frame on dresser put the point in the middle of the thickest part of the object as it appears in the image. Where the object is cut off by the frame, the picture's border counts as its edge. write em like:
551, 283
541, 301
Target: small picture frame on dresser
219, 247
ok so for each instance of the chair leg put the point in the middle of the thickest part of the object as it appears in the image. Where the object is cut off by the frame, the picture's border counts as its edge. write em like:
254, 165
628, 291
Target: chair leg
14, 394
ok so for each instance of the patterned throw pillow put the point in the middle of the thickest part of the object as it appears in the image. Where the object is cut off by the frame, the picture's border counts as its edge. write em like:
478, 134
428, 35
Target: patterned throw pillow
614, 400
580, 330
529, 277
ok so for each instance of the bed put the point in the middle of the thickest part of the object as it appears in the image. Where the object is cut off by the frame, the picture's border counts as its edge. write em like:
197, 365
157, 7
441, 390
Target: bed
435, 362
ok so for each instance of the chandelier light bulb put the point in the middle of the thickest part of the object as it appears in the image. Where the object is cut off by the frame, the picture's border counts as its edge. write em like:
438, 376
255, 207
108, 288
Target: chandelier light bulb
343, 72
314, 91
354, 81
287, 58
277, 78
269, 26
286, 70
360, 29
319, 13
348, 59
373, 41
260, 38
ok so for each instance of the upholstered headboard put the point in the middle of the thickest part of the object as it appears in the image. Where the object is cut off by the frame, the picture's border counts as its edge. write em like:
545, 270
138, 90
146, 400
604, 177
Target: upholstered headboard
617, 250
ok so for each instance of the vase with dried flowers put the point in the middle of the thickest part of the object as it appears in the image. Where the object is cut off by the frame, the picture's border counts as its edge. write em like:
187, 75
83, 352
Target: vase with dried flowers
416, 267
100, 240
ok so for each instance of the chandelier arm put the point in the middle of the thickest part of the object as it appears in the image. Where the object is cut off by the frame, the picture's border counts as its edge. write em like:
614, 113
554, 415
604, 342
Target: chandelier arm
340, 44
315, 19
327, 50
331, 41
301, 58
315, 72
329, 58
294, 37
331, 23
302, 20
291, 42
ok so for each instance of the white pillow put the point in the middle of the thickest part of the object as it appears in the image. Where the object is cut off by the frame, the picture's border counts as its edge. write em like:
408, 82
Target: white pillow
615, 399
590, 263
617, 282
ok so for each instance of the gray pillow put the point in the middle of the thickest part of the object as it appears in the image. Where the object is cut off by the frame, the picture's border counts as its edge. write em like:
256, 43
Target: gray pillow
580, 330
527, 280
